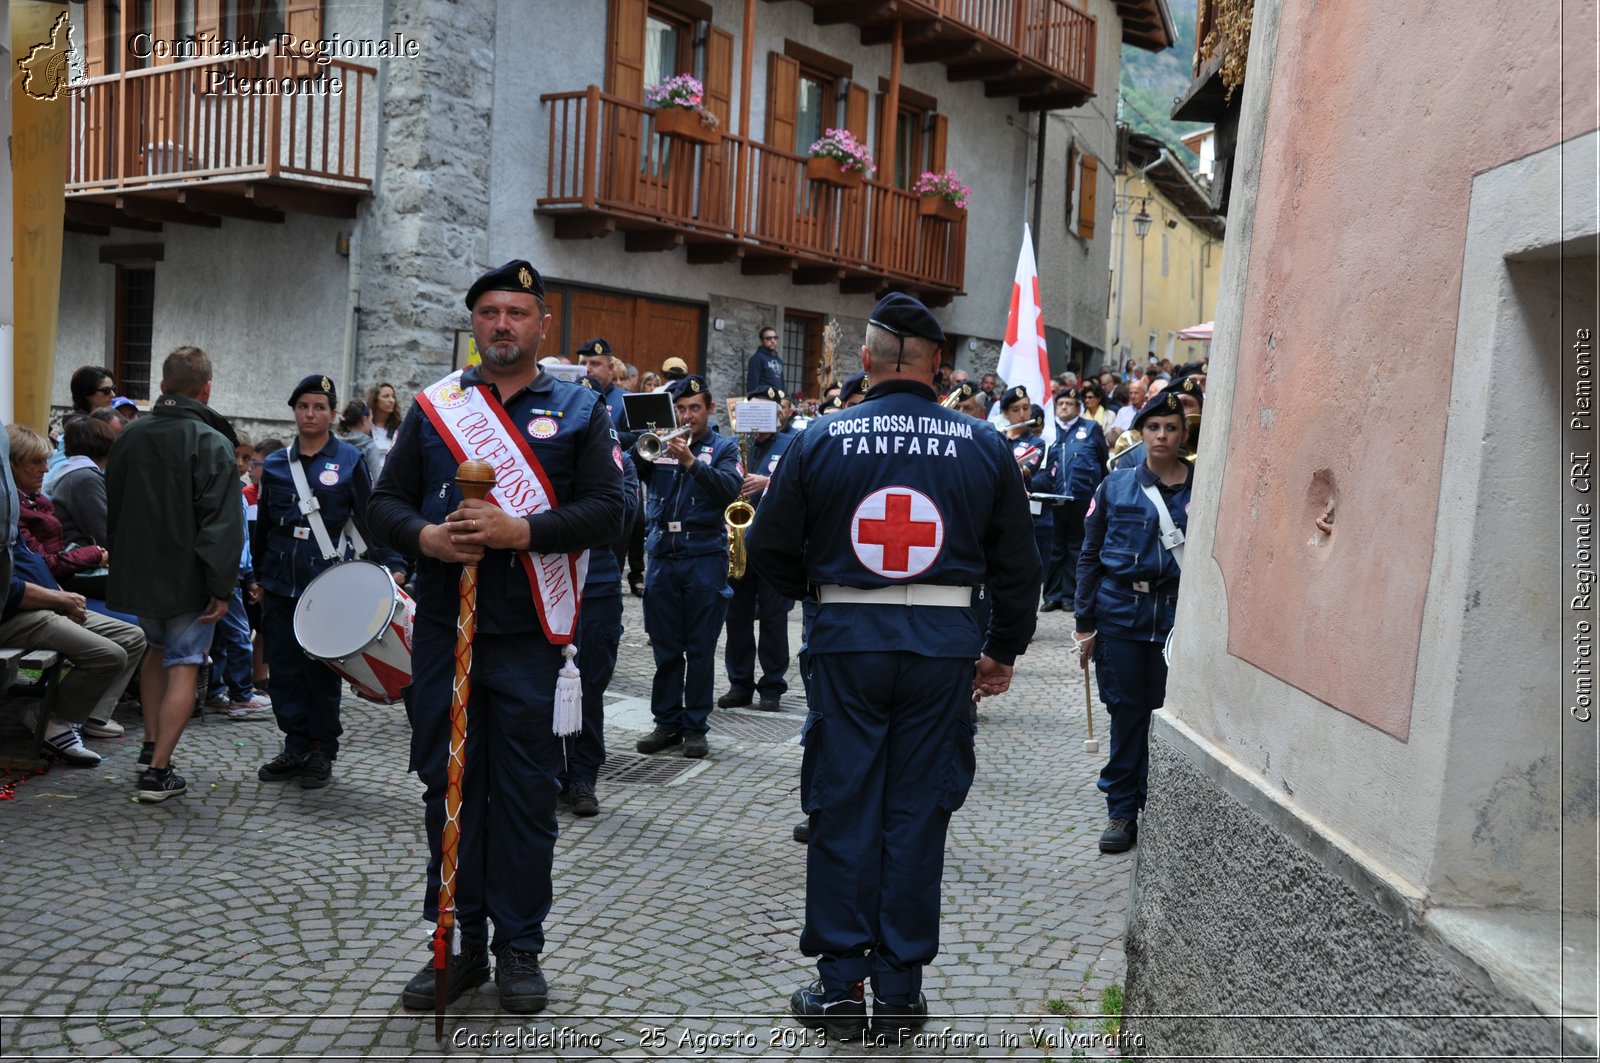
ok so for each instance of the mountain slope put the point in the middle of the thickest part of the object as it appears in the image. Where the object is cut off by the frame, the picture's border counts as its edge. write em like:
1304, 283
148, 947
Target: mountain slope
1151, 82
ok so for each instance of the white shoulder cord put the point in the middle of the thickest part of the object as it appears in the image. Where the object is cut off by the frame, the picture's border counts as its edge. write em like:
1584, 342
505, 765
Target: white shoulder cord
1171, 537
309, 508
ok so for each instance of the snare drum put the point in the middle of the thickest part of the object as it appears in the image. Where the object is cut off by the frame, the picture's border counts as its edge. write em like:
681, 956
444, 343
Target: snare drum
356, 621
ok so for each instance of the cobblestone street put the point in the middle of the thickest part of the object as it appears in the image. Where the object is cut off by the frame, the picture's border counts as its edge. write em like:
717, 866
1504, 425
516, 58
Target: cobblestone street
255, 919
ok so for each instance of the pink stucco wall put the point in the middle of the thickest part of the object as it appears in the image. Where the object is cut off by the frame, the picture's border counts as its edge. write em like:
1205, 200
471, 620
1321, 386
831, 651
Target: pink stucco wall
1380, 115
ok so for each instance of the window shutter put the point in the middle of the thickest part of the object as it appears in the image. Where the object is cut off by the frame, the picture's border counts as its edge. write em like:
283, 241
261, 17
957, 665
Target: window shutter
208, 19
164, 20
1069, 201
783, 101
303, 19
95, 38
856, 101
625, 49
1091, 170
719, 75
936, 148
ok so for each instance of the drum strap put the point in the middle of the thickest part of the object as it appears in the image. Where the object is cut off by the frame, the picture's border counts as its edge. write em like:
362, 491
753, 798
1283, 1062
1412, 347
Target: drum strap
310, 508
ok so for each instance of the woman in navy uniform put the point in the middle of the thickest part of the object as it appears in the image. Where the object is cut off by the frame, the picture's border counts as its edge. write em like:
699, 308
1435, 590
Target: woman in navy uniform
305, 692
513, 757
896, 511
1127, 596
1075, 466
686, 583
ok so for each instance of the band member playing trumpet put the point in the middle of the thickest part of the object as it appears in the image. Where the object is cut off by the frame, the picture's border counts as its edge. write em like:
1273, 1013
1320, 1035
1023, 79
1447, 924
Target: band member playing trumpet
690, 482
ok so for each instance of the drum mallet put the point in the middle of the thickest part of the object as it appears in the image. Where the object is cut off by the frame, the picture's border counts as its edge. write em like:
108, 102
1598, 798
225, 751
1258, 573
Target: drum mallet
1089, 744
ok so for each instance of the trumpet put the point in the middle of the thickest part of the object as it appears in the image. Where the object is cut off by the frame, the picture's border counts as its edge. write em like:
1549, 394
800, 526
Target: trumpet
652, 443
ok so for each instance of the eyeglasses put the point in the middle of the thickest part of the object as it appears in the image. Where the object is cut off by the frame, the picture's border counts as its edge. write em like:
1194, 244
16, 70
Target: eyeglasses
105, 391
764, 339
254, 464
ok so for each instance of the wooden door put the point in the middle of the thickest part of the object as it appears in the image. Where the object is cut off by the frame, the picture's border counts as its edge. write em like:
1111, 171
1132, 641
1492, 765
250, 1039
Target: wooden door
600, 314
667, 330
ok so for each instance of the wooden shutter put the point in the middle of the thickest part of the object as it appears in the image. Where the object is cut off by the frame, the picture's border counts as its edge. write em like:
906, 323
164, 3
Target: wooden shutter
1091, 170
164, 22
719, 75
856, 102
625, 49
303, 19
95, 38
783, 101
208, 20
936, 148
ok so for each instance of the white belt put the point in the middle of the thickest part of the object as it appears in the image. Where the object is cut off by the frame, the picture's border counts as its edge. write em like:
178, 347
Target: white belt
907, 594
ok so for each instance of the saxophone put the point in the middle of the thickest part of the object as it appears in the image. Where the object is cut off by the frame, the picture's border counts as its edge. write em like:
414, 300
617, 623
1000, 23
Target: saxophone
738, 516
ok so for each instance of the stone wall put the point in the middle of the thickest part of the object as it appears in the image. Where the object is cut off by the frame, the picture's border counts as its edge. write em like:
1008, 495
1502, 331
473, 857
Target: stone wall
424, 240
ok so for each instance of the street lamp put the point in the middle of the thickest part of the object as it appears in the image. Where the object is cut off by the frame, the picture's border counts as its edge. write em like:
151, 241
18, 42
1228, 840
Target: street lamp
1141, 222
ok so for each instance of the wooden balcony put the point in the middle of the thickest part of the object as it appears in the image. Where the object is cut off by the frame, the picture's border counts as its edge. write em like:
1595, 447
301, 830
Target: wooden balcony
180, 143
609, 170
1041, 51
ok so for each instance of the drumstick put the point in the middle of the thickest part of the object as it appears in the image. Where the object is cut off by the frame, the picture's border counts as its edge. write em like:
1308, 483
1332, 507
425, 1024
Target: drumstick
474, 478
1089, 744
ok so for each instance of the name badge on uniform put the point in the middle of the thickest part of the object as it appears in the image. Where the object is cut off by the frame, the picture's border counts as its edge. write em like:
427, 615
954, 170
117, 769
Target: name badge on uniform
1083, 433
674, 526
302, 532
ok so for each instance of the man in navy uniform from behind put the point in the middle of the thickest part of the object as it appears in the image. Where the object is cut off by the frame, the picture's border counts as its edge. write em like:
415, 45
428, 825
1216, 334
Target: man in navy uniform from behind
513, 758
895, 512
758, 614
1074, 467
686, 583
765, 369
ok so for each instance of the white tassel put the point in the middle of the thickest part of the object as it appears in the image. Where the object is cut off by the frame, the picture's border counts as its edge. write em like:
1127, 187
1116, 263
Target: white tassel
455, 939
568, 717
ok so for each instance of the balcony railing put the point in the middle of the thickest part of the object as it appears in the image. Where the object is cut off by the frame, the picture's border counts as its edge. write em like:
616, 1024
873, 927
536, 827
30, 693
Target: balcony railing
1041, 50
607, 165
182, 123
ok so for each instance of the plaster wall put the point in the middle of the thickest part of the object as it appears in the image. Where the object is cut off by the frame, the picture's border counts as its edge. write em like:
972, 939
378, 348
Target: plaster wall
1378, 620
988, 146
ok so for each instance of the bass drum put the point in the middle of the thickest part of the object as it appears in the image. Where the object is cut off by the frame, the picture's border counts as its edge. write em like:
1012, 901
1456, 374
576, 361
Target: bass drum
356, 621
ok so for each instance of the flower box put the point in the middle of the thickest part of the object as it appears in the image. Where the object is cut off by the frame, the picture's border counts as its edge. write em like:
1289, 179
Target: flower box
828, 171
934, 206
684, 124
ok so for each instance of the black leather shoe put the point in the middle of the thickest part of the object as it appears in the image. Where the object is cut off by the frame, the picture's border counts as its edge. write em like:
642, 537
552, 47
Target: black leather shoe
888, 1020
463, 972
1119, 836
802, 831
522, 985
770, 703
657, 740
735, 699
843, 1020
1050, 607
584, 802
695, 746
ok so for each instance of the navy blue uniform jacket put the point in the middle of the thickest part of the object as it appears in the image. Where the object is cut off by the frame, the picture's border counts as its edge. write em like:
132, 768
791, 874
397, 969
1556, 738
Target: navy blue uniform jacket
582, 461
1121, 547
807, 530
691, 498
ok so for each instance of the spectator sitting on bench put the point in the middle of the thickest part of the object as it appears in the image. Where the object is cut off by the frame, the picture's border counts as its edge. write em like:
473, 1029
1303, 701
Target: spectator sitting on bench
79, 494
30, 454
103, 653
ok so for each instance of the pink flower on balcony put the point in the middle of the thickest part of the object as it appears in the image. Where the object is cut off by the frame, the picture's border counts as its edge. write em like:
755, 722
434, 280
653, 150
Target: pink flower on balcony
683, 91
946, 185
842, 146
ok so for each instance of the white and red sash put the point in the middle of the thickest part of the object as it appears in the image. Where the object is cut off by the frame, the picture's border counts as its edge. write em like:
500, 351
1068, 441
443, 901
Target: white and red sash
474, 425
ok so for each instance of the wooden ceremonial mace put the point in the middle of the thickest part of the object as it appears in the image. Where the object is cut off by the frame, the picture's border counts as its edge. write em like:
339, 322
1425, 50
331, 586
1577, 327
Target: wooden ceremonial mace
474, 479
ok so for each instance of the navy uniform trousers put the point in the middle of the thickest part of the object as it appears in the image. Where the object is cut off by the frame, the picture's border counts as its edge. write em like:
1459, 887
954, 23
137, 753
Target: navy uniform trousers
1061, 563
1133, 684
508, 791
685, 602
305, 692
758, 631
599, 638
888, 757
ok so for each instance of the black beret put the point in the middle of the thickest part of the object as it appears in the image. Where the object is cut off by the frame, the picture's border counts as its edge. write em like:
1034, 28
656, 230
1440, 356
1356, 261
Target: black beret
1013, 396
831, 405
769, 393
515, 276
316, 384
1163, 404
598, 345
1189, 386
964, 392
688, 387
1068, 393
903, 315
856, 384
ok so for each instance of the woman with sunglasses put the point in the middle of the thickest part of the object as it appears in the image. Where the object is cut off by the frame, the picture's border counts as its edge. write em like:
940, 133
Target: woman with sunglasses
92, 390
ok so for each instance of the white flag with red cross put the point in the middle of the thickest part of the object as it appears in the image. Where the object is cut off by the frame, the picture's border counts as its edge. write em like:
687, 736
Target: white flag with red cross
1024, 358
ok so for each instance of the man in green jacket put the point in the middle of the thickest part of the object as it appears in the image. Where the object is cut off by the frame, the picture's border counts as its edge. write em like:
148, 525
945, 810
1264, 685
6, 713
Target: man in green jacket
175, 530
